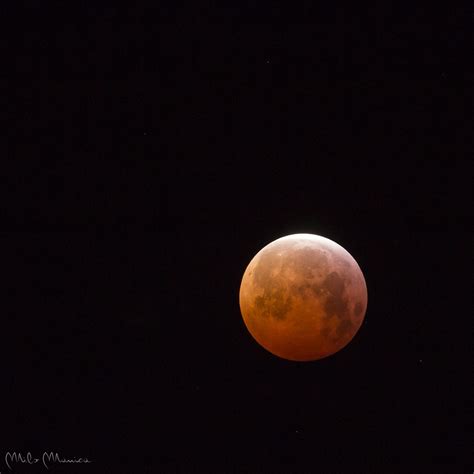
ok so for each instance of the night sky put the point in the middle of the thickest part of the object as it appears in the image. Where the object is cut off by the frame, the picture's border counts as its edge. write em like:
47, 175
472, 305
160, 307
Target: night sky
170, 143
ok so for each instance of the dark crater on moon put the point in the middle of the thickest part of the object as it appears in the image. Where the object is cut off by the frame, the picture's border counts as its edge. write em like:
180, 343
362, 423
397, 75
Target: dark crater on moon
273, 304
344, 327
336, 303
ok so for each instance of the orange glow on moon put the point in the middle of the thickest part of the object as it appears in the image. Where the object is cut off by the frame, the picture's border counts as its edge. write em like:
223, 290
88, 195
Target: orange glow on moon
303, 297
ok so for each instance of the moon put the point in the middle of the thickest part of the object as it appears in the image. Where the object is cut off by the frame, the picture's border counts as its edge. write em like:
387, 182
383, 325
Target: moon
303, 297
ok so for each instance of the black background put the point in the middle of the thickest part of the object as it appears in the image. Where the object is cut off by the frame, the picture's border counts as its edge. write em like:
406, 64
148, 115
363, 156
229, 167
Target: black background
169, 144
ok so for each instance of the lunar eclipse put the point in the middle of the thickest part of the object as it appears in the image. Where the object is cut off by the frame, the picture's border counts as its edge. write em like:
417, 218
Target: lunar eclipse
303, 297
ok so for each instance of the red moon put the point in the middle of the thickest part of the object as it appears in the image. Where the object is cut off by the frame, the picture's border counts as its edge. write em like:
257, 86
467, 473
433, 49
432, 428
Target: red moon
303, 297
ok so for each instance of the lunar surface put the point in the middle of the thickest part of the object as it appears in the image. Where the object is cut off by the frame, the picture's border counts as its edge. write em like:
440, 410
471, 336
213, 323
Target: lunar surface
303, 297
